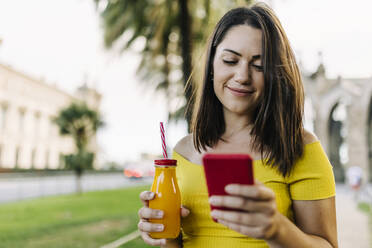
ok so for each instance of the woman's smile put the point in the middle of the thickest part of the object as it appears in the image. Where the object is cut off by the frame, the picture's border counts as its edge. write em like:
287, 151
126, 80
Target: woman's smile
240, 92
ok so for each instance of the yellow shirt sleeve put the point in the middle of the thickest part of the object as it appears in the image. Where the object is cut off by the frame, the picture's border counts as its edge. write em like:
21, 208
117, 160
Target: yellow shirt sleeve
312, 177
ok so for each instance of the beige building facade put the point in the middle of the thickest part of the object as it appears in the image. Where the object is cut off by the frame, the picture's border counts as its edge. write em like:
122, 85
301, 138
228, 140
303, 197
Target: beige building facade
28, 136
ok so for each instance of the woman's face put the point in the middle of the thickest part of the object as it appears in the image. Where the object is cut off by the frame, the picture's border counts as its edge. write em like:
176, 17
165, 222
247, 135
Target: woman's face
238, 78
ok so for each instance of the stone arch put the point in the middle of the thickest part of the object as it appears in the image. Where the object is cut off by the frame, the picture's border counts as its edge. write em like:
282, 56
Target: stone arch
328, 129
336, 140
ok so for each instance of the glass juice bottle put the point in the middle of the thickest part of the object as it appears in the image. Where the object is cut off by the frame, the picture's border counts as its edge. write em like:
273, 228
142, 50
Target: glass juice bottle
167, 198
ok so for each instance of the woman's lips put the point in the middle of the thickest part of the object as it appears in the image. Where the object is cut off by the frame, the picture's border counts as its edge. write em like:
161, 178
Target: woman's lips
240, 92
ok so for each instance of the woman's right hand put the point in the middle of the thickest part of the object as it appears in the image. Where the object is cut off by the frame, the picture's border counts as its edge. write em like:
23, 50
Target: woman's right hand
145, 213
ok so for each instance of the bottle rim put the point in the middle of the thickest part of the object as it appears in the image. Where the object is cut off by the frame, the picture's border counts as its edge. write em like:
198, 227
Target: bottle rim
165, 162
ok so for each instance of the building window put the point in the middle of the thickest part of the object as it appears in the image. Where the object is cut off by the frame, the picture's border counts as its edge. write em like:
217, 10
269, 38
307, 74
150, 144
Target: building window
52, 126
37, 123
33, 156
3, 113
61, 161
1, 155
17, 154
46, 159
21, 119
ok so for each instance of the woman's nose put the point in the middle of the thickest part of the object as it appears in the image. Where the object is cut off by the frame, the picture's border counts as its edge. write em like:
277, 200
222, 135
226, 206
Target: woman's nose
242, 74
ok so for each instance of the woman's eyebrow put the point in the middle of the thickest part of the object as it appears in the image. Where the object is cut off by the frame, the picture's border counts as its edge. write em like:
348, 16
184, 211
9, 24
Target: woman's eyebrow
254, 57
232, 51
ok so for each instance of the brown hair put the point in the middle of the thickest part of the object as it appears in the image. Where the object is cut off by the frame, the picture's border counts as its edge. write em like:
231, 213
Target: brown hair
278, 128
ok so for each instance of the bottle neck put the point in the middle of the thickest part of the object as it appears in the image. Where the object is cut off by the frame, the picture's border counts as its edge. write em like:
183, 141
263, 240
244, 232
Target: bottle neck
166, 170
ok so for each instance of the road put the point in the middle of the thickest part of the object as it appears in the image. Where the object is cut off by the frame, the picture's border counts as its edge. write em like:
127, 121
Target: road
15, 188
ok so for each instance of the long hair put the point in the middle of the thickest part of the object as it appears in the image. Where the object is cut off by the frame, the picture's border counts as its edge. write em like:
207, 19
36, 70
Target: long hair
277, 121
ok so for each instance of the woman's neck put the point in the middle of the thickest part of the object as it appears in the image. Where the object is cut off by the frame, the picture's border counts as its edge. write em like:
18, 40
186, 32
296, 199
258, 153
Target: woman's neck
237, 125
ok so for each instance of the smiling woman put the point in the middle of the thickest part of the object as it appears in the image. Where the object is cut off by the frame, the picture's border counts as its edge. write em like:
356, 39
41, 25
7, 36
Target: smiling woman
236, 87
251, 102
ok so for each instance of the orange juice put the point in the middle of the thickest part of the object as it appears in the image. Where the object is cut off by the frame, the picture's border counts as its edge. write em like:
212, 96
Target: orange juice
167, 198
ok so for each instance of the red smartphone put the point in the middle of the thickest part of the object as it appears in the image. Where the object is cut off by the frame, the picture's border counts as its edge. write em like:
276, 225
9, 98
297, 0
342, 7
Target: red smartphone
223, 169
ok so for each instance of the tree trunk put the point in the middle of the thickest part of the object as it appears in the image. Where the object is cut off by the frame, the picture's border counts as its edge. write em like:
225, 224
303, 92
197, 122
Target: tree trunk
79, 189
186, 51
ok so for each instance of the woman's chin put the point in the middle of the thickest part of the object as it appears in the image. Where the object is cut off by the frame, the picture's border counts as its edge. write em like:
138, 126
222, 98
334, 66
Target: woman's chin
238, 110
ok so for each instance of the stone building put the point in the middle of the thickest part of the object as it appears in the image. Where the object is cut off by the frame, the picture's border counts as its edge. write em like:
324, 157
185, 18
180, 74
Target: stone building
342, 120
28, 136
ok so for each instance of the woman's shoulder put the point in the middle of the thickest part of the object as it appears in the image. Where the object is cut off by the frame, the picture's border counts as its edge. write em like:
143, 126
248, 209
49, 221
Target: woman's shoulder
309, 137
185, 147
312, 147
313, 157
312, 176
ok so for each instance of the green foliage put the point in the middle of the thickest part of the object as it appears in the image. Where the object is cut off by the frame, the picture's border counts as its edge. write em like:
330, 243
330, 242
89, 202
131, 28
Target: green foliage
79, 161
91, 220
173, 39
81, 123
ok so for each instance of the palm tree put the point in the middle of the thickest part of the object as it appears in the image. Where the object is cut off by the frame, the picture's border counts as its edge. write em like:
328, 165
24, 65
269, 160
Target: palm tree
81, 123
174, 32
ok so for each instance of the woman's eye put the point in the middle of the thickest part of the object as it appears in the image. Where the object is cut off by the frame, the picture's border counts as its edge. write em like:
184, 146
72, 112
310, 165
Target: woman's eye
258, 67
230, 62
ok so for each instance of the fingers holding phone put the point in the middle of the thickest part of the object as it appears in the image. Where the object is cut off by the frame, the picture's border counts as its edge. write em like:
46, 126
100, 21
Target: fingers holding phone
236, 199
253, 210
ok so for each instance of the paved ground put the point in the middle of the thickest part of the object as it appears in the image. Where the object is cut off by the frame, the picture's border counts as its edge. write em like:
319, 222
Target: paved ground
352, 224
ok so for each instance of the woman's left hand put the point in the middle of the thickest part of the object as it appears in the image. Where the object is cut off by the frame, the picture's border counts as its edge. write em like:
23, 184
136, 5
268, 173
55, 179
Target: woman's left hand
256, 213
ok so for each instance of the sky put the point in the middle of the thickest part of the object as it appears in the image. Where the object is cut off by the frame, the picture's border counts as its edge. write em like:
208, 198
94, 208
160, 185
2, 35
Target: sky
61, 42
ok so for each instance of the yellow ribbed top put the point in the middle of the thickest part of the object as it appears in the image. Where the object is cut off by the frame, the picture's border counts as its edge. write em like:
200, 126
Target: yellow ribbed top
311, 179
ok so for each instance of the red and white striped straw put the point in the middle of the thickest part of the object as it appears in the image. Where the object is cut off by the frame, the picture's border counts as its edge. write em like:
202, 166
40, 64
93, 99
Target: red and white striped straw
162, 133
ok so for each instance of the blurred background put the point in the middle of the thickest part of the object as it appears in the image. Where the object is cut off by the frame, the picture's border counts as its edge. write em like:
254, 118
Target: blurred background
85, 83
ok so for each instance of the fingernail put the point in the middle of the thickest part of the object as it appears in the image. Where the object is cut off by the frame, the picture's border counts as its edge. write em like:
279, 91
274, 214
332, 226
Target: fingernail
215, 214
213, 200
229, 187
159, 227
151, 195
159, 214
232, 188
